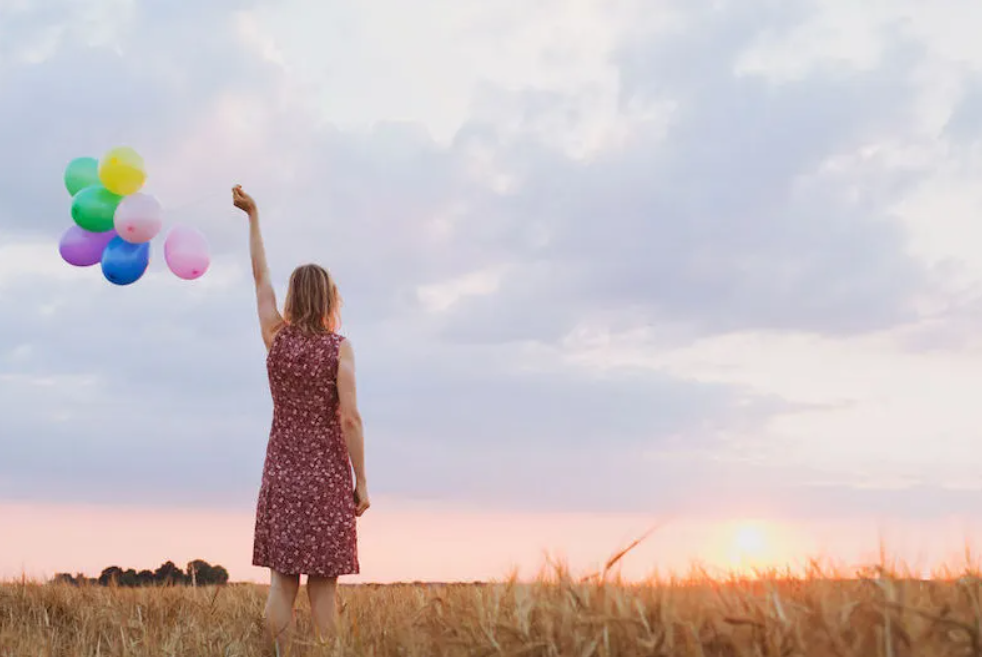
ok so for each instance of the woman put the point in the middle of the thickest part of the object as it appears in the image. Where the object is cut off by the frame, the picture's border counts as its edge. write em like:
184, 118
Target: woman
305, 515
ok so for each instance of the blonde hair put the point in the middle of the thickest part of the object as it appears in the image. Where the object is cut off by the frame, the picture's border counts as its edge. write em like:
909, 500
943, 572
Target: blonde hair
313, 303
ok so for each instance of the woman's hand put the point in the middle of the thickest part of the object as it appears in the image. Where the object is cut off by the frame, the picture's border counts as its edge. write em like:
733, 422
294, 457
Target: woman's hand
243, 201
361, 498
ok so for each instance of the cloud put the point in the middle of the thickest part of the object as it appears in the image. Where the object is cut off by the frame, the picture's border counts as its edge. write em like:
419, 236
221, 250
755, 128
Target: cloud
692, 226
964, 127
733, 218
161, 393
129, 86
652, 182
860, 412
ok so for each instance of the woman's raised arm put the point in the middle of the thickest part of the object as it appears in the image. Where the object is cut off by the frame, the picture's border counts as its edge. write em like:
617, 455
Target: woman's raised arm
270, 319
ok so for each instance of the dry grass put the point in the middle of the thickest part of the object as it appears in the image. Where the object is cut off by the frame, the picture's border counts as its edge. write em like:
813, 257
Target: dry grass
557, 615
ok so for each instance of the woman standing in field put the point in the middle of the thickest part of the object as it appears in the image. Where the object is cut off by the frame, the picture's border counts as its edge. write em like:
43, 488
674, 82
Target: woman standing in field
305, 515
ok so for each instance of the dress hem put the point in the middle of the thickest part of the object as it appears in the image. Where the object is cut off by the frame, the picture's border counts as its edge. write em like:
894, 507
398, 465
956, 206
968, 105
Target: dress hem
308, 571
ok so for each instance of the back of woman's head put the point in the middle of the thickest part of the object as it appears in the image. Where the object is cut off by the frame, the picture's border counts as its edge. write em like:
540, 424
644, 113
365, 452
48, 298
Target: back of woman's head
312, 301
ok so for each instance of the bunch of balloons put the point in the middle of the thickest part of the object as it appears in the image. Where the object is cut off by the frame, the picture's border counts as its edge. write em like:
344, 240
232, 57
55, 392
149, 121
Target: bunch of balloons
115, 222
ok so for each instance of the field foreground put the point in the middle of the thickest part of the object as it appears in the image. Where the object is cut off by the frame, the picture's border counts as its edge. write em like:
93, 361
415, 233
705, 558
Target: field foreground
555, 616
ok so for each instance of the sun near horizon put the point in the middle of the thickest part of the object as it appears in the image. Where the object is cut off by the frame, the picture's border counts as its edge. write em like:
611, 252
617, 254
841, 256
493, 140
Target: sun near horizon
422, 541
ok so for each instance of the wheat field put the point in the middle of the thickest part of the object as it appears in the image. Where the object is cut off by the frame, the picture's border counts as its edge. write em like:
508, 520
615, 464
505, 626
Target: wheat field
557, 615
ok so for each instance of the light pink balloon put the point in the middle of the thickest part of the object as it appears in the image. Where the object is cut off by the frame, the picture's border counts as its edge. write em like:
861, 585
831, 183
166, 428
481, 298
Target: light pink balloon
186, 252
138, 218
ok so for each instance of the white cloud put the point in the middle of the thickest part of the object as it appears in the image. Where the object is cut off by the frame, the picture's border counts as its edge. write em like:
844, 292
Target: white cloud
38, 260
425, 61
873, 409
441, 296
499, 187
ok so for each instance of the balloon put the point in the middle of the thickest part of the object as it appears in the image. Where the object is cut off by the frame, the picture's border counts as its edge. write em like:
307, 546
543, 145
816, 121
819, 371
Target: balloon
122, 171
94, 207
124, 263
82, 248
80, 173
186, 252
138, 218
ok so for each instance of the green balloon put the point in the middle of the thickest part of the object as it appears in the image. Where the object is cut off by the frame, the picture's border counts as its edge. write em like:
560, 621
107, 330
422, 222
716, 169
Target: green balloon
80, 173
94, 207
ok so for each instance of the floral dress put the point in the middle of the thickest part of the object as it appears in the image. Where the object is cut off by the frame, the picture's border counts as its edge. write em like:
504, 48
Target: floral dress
305, 515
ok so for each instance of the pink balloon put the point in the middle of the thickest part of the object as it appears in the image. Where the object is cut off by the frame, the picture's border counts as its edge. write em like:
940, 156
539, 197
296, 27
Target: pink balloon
186, 252
138, 218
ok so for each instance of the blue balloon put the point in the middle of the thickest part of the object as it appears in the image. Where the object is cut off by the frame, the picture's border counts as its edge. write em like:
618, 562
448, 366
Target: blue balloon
124, 263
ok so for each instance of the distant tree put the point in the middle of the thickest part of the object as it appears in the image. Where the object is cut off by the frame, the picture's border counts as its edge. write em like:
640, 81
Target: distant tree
128, 578
110, 575
204, 574
199, 571
64, 578
219, 575
169, 573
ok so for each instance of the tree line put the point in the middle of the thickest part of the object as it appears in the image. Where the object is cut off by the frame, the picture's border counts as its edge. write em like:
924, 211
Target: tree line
198, 572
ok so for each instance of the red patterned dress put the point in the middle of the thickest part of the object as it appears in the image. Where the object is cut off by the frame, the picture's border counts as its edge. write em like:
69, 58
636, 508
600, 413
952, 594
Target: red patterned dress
305, 516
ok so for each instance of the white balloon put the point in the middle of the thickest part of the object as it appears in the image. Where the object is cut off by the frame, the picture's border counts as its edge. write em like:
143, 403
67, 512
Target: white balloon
139, 218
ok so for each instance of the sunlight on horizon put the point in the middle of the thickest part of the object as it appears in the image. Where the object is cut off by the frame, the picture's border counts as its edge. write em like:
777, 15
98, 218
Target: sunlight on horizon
437, 542
751, 547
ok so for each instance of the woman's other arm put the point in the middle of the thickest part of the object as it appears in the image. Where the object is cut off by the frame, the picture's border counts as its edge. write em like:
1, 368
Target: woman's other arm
351, 424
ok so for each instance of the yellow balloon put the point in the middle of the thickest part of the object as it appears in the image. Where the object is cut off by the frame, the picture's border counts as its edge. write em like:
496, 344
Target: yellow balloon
122, 172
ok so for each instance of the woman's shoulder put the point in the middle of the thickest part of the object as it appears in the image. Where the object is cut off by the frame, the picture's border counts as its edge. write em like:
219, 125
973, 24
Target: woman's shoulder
278, 333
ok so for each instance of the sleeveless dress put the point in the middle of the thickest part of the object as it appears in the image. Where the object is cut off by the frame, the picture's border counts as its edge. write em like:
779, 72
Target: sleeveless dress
305, 515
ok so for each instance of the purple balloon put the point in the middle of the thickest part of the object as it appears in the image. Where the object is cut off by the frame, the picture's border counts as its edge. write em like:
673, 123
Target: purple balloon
82, 248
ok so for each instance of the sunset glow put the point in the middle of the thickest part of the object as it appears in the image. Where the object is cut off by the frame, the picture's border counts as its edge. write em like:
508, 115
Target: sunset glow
709, 267
750, 542
405, 541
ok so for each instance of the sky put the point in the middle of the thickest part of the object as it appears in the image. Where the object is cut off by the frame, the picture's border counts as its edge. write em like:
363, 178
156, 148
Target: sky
711, 266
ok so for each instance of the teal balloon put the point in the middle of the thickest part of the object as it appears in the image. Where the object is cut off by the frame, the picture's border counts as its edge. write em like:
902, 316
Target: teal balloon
94, 209
80, 173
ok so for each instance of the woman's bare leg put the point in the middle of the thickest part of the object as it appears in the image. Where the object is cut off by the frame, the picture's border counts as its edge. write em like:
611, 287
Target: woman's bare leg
283, 591
322, 592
